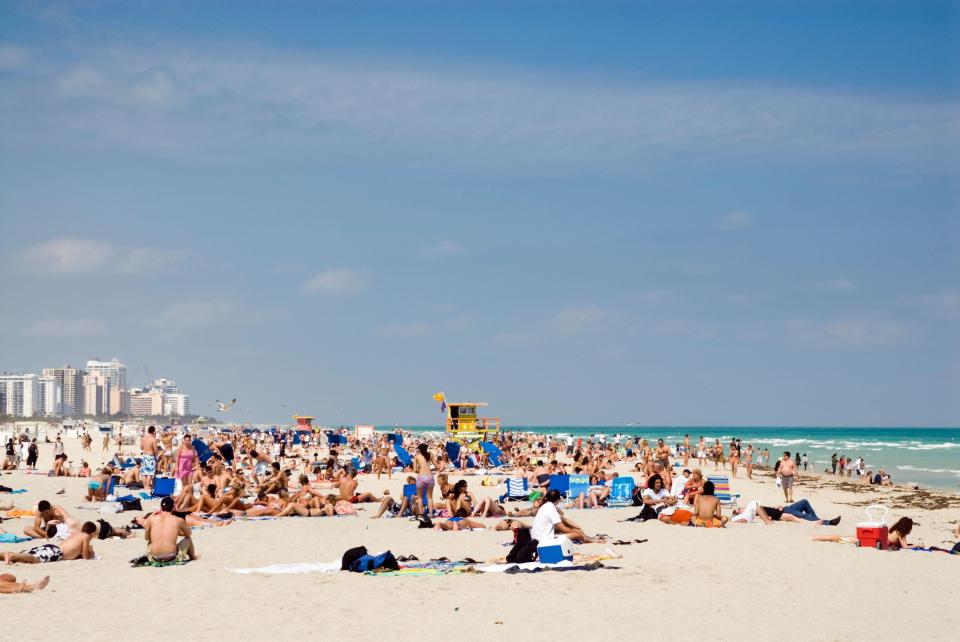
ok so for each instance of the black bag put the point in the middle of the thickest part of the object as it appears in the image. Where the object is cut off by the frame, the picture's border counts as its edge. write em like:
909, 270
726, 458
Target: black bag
133, 504
366, 563
524, 547
352, 556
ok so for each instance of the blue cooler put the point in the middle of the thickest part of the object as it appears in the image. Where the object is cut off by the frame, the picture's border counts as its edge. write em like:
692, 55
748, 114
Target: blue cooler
558, 549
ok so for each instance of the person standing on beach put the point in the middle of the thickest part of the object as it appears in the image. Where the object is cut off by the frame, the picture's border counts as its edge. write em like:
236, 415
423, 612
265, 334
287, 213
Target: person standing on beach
833, 464
748, 461
804, 459
148, 458
424, 483
686, 450
788, 471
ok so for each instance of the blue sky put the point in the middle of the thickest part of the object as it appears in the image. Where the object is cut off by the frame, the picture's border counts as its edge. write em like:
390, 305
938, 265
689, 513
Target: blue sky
683, 213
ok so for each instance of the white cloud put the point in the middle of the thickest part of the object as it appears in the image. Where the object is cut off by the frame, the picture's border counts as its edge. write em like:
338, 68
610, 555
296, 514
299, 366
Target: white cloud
442, 249
574, 320
839, 284
65, 256
945, 302
734, 221
864, 330
408, 330
451, 113
53, 327
193, 314
512, 339
337, 282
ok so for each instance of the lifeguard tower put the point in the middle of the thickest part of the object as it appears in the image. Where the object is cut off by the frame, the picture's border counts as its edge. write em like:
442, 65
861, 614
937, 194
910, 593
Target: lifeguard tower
304, 424
465, 427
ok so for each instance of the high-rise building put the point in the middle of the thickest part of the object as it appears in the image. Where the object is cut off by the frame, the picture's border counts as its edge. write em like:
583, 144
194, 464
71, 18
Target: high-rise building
96, 394
20, 394
166, 386
116, 372
176, 404
50, 396
146, 403
71, 384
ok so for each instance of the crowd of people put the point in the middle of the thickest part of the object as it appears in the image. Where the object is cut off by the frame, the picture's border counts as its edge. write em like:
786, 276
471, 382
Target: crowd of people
223, 475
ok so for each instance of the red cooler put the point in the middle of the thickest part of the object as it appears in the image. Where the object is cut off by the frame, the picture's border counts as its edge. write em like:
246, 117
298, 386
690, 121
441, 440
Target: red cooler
874, 532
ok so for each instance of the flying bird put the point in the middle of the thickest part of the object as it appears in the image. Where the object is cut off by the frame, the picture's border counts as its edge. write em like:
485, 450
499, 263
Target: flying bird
225, 406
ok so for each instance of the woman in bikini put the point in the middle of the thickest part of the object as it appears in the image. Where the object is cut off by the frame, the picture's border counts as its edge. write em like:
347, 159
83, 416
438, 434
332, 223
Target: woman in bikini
734, 459
425, 483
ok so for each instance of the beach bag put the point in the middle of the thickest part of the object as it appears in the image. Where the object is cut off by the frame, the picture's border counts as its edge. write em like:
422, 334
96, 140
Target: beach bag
131, 504
351, 556
383, 561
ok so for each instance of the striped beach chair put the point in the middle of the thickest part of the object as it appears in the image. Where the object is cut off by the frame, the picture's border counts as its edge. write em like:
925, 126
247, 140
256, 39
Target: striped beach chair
721, 489
516, 489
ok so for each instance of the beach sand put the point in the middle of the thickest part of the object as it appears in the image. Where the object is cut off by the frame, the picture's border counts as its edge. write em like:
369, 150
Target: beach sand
744, 582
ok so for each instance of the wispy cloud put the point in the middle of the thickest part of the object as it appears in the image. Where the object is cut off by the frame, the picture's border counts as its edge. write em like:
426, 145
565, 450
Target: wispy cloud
863, 330
839, 284
66, 256
208, 100
942, 303
193, 314
441, 250
734, 221
52, 327
574, 320
337, 281
422, 328
13, 57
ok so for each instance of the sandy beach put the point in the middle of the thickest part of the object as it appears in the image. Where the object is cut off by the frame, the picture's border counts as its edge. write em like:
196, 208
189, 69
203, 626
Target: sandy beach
746, 581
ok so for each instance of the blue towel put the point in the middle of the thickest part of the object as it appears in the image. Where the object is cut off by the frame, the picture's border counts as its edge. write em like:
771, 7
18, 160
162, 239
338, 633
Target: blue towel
18, 491
10, 538
144, 495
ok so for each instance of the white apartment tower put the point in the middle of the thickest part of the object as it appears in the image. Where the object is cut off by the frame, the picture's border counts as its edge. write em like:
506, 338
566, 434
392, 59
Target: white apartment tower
50, 396
19, 394
70, 380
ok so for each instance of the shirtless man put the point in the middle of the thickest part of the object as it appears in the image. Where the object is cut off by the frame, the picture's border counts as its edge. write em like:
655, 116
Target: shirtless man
348, 488
686, 450
706, 509
663, 454
161, 531
148, 458
74, 547
48, 514
788, 472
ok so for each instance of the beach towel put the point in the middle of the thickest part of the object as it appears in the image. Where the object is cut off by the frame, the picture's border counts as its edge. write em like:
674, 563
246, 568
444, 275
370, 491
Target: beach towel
18, 491
20, 512
143, 560
10, 538
291, 569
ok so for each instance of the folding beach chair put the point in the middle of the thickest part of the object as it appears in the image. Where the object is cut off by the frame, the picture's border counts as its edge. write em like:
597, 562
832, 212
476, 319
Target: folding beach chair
560, 483
163, 486
516, 489
453, 452
494, 454
579, 485
621, 492
402, 455
721, 489
410, 490
203, 451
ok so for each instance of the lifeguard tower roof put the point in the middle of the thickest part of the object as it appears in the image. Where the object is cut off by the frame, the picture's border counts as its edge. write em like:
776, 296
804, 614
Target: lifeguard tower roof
467, 403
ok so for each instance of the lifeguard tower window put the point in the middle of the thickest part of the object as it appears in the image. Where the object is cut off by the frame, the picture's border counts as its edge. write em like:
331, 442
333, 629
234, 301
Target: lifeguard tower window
454, 412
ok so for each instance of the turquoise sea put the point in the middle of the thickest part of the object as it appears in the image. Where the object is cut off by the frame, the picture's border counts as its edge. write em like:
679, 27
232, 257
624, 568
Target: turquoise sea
925, 456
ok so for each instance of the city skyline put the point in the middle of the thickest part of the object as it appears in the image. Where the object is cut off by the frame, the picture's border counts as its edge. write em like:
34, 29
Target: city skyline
720, 214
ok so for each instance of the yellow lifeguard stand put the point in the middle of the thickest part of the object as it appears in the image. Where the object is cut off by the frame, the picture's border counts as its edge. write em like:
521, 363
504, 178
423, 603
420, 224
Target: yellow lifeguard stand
463, 424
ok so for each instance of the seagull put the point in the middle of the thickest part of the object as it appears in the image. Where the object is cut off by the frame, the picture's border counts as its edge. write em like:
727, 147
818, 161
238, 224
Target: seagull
225, 406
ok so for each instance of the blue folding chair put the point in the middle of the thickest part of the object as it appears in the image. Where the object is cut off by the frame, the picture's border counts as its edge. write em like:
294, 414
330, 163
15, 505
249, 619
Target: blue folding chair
579, 485
560, 483
410, 491
621, 492
402, 455
453, 452
163, 486
494, 454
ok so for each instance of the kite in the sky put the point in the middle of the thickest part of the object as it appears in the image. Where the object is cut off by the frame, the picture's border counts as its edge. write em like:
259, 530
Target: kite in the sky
225, 406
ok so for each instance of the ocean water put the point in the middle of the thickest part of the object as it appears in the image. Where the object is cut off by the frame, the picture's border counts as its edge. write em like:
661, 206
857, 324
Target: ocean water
928, 457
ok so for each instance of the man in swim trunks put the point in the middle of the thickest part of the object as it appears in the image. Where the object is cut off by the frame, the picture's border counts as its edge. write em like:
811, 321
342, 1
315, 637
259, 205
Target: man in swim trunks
74, 547
148, 458
348, 488
161, 531
788, 471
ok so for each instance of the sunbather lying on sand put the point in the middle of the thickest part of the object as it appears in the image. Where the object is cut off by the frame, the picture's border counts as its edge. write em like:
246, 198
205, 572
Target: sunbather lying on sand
9, 584
800, 511
74, 547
